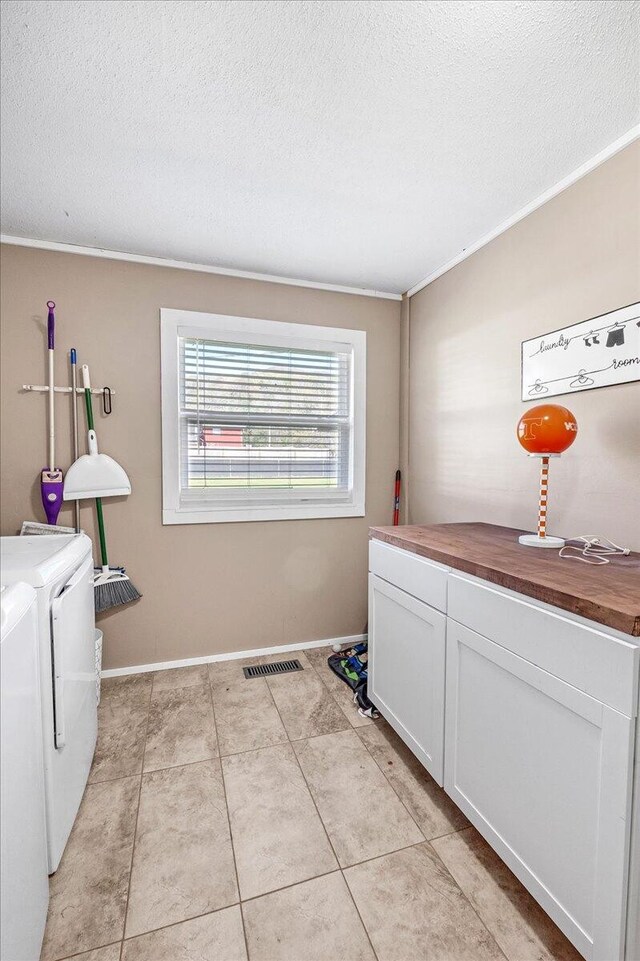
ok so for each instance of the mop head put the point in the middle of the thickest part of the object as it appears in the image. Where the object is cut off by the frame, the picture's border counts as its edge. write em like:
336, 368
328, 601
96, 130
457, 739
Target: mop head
35, 527
112, 588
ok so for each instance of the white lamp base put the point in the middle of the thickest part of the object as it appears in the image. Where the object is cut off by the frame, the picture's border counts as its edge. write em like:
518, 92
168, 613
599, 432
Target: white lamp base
533, 540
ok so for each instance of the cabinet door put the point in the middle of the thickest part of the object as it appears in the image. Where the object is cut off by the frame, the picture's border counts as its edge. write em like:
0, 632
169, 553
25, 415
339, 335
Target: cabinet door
544, 772
406, 669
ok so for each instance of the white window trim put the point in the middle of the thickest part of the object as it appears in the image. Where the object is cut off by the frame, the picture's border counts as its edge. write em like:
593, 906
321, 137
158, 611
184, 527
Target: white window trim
176, 323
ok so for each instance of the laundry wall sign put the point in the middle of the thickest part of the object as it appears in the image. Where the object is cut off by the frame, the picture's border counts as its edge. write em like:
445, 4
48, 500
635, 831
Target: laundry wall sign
599, 352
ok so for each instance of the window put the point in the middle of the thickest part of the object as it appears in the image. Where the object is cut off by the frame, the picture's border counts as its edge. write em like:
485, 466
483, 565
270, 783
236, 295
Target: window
261, 420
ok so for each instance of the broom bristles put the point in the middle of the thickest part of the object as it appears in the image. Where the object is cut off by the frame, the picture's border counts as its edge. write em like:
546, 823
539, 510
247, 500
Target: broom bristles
114, 592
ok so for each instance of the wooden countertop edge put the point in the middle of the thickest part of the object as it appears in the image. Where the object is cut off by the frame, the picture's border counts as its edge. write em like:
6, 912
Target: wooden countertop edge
592, 611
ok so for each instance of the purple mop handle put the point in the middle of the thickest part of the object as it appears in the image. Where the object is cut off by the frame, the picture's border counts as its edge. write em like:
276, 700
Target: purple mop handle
51, 482
51, 324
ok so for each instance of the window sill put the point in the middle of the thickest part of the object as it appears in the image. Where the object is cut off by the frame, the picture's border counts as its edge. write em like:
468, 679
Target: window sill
277, 513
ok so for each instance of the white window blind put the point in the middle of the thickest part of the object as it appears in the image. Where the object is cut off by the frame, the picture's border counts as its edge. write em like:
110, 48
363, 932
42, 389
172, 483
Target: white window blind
269, 421
264, 419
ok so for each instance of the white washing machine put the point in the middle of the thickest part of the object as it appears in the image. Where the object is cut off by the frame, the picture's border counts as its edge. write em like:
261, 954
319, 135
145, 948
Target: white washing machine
24, 887
60, 569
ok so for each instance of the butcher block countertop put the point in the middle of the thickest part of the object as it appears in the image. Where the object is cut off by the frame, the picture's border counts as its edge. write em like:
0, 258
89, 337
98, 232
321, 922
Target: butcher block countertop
606, 593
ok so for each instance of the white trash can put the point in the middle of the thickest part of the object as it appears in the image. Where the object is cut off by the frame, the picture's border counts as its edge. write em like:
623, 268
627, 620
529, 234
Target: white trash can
98, 640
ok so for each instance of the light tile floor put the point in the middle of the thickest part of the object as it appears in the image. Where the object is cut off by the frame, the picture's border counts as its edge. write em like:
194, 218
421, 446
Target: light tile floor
228, 819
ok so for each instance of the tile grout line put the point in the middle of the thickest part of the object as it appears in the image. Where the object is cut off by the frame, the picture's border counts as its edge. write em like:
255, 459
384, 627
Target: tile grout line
286, 887
226, 805
173, 767
165, 927
388, 780
464, 897
107, 781
468, 900
135, 830
393, 788
377, 857
91, 779
366, 747
334, 696
325, 688
324, 827
232, 685
448, 834
204, 685
369, 753
426, 840
79, 954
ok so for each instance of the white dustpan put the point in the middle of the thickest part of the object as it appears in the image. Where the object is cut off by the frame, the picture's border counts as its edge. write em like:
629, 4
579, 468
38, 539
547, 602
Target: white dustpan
95, 475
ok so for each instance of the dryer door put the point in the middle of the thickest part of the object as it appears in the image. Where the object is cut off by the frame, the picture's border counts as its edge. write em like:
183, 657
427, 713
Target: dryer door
73, 652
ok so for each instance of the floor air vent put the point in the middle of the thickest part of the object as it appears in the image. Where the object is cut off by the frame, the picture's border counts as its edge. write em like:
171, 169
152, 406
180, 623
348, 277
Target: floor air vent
266, 670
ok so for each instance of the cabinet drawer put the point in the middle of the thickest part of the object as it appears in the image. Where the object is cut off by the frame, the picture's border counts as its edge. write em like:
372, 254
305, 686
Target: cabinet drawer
419, 577
591, 660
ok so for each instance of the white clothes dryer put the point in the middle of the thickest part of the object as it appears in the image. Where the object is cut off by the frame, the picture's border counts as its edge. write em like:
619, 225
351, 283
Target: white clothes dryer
60, 569
24, 886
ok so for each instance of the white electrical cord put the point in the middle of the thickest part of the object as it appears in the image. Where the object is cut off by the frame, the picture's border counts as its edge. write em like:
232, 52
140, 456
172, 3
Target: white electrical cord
594, 550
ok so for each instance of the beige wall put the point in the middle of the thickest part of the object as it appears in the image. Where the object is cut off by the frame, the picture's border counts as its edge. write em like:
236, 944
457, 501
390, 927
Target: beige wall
207, 587
214, 588
574, 258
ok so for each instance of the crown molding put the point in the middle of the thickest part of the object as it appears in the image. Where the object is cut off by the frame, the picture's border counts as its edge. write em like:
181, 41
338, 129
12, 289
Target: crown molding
185, 265
628, 138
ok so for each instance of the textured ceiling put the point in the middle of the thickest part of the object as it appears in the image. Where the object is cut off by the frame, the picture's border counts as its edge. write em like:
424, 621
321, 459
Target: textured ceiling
362, 143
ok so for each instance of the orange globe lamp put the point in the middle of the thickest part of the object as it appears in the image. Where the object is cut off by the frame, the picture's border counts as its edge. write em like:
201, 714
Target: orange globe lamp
545, 431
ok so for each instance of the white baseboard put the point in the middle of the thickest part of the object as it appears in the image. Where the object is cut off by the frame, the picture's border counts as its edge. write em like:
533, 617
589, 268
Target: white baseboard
234, 655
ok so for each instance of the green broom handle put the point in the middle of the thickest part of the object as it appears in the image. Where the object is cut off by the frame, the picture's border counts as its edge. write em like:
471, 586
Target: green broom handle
103, 540
88, 405
87, 401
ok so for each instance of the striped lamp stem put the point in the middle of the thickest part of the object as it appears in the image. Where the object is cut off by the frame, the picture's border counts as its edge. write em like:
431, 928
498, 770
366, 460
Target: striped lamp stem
544, 489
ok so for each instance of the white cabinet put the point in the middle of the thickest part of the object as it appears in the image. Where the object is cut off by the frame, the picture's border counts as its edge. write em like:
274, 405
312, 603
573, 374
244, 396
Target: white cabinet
406, 669
529, 716
543, 771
